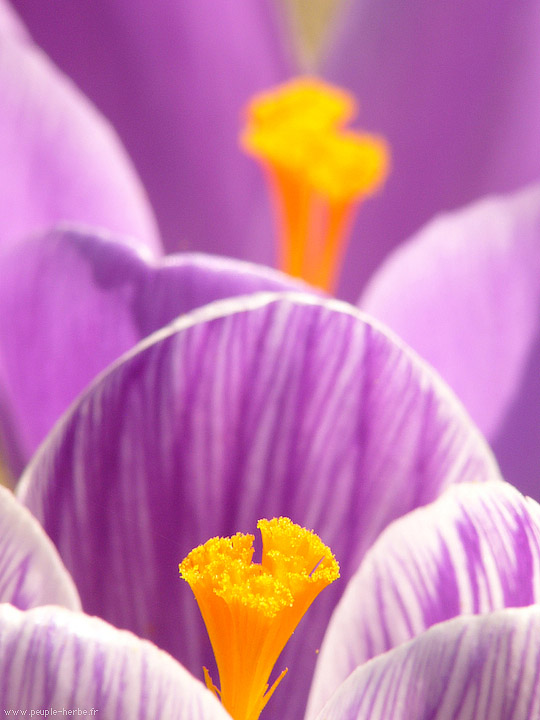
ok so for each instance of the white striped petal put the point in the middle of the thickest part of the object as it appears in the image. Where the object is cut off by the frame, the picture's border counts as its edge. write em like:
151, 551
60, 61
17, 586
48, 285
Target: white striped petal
484, 667
476, 549
31, 572
55, 660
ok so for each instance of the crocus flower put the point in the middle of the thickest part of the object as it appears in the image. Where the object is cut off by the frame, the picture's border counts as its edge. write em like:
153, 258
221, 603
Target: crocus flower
453, 88
285, 402
261, 406
326, 417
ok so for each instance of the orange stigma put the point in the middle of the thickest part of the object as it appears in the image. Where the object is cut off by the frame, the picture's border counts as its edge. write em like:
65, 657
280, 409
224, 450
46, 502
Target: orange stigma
319, 171
250, 610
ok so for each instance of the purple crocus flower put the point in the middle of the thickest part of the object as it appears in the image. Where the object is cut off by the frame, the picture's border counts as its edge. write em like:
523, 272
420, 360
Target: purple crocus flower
251, 407
260, 406
454, 90
138, 472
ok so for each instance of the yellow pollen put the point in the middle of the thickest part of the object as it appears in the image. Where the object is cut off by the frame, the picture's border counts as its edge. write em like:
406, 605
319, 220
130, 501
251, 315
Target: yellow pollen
250, 610
305, 102
318, 170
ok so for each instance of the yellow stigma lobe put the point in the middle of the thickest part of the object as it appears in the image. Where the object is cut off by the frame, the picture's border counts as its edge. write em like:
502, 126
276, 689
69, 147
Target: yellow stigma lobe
318, 171
250, 610
304, 102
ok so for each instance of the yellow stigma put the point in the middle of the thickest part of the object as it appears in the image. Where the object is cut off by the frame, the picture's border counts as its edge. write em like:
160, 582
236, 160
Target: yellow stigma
250, 610
318, 171
305, 102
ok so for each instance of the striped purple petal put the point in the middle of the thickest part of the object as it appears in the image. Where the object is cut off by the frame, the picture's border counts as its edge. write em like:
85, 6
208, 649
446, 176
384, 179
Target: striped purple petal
476, 549
31, 573
247, 408
465, 294
55, 660
72, 301
484, 667
60, 160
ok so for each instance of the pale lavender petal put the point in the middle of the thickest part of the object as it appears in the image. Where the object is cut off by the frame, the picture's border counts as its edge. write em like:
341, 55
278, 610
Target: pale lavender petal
60, 160
173, 78
247, 408
484, 667
10, 25
455, 88
31, 573
476, 549
465, 294
53, 659
71, 302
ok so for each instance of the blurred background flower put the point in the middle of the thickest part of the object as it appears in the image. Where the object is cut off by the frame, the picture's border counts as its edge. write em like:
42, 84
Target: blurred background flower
464, 286
454, 88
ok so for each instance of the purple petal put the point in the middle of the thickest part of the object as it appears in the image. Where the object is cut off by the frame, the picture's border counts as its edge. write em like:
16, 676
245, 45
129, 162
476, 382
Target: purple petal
248, 408
471, 668
455, 88
52, 659
476, 549
60, 159
72, 302
173, 77
31, 573
465, 294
